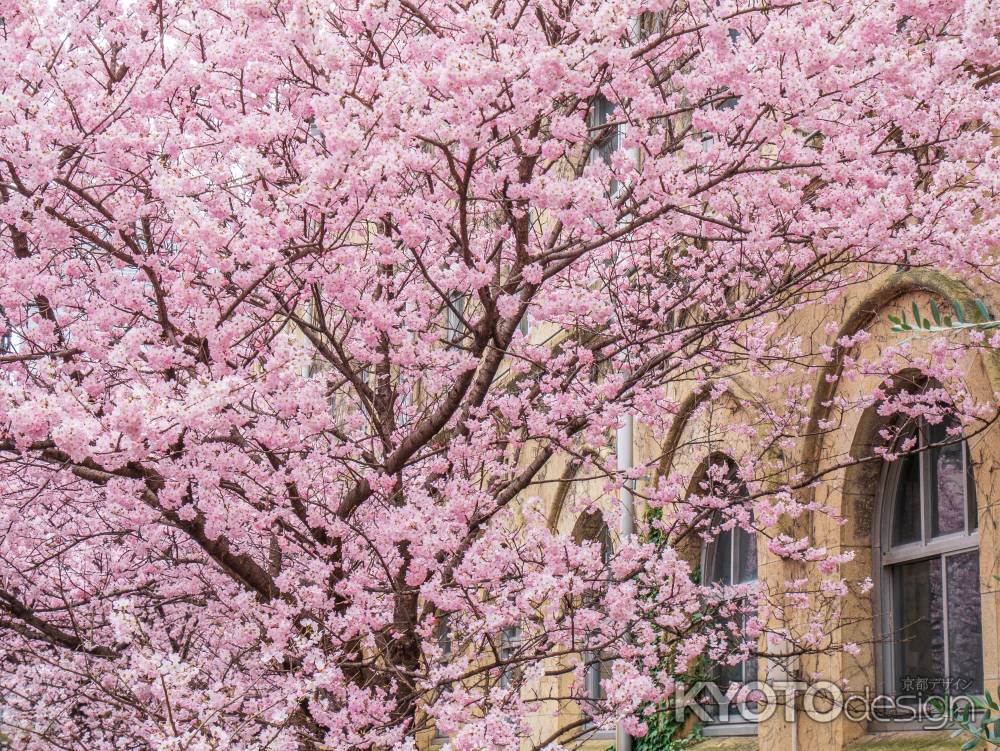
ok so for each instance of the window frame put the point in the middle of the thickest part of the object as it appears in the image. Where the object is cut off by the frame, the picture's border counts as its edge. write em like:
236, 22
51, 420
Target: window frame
442, 635
888, 556
590, 696
594, 661
601, 118
511, 639
735, 724
456, 307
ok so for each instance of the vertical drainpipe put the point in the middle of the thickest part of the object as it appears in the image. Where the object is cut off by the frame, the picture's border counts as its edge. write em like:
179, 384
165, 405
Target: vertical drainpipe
625, 441
624, 436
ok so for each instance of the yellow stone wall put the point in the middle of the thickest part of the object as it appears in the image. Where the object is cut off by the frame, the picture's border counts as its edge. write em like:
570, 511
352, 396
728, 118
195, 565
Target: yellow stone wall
853, 492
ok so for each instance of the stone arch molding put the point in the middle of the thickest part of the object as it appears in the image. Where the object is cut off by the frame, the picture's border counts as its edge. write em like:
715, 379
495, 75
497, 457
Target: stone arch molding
702, 434
876, 305
699, 425
855, 491
852, 491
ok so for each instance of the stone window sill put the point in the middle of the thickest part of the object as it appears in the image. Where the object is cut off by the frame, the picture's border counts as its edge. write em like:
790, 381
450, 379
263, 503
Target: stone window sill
908, 740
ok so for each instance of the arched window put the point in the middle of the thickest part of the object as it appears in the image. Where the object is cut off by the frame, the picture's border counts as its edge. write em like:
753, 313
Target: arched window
731, 558
931, 606
591, 527
510, 643
598, 668
608, 135
455, 328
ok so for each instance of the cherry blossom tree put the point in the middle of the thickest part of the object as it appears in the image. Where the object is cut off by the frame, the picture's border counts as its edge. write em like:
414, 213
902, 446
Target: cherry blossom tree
307, 306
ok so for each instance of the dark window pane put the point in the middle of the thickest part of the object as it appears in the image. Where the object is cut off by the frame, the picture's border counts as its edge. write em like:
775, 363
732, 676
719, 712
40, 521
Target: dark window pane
746, 556
919, 633
456, 311
509, 643
593, 677
947, 483
443, 630
720, 560
727, 674
733, 548
602, 113
750, 670
741, 673
906, 514
597, 673
965, 630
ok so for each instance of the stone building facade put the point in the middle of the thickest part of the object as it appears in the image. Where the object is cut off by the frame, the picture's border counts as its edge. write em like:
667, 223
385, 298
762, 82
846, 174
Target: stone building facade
939, 575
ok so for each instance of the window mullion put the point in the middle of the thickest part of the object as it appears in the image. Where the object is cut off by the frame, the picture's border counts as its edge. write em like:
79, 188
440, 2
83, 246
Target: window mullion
733, 552
944, 618
926, 497
965, 487
889, 618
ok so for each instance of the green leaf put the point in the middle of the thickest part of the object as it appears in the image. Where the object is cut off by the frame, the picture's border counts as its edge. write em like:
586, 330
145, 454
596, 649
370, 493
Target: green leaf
994, 734
969, 745
959, 310
981, 307
947, 321
935, 313
927, 324
916, 312
894, 319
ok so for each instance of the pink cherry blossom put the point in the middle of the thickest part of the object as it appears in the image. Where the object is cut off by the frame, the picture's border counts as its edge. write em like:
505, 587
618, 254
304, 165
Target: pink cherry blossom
309, 308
